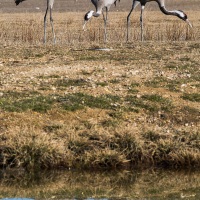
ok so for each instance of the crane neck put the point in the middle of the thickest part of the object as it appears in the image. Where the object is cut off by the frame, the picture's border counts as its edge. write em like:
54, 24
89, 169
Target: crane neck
161, 5
167, 12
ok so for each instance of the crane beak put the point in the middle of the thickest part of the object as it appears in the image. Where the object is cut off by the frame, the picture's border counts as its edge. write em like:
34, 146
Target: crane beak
85, 22
187, 20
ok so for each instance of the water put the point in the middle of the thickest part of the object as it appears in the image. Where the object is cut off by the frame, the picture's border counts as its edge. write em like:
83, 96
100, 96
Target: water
140, 185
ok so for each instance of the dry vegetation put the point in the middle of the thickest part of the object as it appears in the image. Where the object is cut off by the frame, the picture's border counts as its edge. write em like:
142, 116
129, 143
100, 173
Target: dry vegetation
26, 29
69, 105
146, 184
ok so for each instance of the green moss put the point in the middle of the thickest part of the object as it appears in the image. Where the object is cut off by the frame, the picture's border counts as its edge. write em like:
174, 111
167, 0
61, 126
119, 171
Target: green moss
195, 97
152, 103
78, 101
20, 102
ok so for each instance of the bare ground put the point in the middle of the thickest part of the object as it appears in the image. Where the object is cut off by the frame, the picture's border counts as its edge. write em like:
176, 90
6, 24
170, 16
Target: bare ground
137, 88
78, 104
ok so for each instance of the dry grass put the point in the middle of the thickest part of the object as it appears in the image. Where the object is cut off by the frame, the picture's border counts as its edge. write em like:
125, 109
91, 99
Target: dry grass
15, 28
68, 105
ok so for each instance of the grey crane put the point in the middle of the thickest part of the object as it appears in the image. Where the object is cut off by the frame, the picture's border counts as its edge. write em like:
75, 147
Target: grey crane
100, 5
161, 3
49, 6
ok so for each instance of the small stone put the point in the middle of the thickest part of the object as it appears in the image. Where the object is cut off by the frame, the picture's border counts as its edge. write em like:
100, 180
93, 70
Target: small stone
183, 85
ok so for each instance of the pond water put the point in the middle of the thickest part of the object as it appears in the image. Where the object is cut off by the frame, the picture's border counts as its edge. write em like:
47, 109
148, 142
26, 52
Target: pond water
134, 184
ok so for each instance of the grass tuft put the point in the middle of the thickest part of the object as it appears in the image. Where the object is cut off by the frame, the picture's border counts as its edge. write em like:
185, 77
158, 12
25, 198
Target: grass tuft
70, 82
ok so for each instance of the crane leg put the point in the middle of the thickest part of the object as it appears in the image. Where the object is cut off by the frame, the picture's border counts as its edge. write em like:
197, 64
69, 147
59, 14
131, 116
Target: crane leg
135, 3
141, 24
51, 20
128, 24
105, 24
45, 23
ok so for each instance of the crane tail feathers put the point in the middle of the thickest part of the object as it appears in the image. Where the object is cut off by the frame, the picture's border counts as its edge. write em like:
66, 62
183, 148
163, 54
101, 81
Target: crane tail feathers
115, 3
18, 1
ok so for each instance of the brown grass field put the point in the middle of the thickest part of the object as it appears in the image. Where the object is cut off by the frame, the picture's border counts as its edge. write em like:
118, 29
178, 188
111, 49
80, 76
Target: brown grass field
72, 105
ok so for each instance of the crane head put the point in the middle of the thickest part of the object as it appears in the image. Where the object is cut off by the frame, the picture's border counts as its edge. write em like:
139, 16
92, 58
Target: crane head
87, 17
183, 16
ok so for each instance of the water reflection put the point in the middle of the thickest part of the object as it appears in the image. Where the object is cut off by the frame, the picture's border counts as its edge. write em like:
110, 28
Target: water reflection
148, 184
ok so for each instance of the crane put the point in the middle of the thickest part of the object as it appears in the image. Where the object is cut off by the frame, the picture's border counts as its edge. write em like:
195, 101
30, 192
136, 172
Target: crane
100, 5
161, 3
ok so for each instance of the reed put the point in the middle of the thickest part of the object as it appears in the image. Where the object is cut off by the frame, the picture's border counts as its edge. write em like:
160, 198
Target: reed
113, 184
